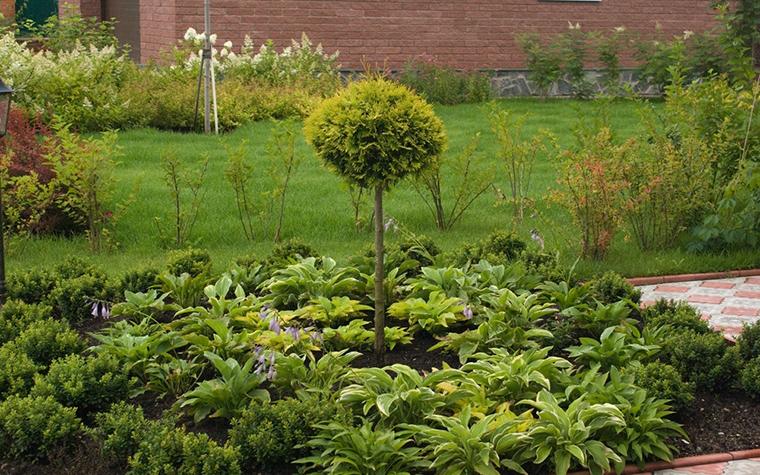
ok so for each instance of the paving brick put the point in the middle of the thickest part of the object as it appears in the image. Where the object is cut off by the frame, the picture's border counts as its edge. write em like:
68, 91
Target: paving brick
713, 284
741, 311
747, 295
753, 280
672, 289
712, 299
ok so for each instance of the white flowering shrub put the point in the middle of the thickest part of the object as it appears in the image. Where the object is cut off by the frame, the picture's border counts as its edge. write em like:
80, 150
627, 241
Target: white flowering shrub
81, 85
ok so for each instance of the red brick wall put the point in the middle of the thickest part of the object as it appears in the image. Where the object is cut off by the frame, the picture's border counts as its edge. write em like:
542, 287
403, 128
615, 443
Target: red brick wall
468, 33
159, 27
88, 8
8, 9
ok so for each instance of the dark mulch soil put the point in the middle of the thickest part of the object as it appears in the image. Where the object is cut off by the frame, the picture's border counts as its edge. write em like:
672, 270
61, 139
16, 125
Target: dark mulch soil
717, 423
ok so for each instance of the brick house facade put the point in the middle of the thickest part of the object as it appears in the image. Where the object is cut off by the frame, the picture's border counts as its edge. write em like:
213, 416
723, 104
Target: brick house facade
467, 33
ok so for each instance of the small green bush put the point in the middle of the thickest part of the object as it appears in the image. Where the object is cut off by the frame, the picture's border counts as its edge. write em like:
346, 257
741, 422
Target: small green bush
17, 371
750, 378
445, 84
679, 315
191, 261
167, 451
72, 267
702, 358
611, 287
267, 434
89, 384
420, 248
31, 426
120, 430
30, 286
499, 247
749, 341
138, 280
17, 315
45, 340
664, 382
73, 298
287, 250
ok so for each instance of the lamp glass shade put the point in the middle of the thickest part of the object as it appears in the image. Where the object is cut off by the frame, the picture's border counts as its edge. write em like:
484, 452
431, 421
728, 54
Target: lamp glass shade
5, 107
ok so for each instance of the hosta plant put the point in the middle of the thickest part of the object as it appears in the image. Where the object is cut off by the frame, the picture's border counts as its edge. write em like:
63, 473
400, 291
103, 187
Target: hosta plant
308, 377
615, 347
297, 284
362, 450
571, 434
226, 396
173, 377
495, 332
330, 312
407, 397
460, 283
509, 377
462, 447
524, 310
434, 315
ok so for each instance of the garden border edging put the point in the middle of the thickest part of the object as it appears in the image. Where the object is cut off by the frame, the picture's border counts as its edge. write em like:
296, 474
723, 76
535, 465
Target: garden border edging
651, 467
667, 279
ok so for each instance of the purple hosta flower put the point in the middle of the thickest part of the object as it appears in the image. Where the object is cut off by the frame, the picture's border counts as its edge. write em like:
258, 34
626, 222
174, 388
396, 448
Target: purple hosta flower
264, 311
294, 332
259, 369
317, 337
272, 373
274, 325
101, 309
388, 224
534, 235
467, 312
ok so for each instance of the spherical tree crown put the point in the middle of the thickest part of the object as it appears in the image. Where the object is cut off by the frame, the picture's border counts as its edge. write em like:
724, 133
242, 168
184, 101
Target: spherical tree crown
376, 132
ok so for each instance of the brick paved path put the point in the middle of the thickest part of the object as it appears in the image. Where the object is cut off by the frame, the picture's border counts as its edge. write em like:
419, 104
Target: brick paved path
726, 303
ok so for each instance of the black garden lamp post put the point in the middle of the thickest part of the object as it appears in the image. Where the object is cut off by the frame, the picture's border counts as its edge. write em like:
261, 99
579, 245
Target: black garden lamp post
5, 110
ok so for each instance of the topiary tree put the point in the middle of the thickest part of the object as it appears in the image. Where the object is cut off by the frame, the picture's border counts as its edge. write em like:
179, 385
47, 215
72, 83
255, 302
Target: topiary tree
373, 134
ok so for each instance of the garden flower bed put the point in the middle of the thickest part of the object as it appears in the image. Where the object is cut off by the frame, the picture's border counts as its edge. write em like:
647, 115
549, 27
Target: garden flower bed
258, 367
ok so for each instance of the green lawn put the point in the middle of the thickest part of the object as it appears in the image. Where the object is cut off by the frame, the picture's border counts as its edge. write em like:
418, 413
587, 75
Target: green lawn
319, 212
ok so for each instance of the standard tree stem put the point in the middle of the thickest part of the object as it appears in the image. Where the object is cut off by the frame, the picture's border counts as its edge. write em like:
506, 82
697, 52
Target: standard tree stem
379, 279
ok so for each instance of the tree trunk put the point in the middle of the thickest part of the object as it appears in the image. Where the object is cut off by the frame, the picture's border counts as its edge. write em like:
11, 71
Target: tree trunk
379, 279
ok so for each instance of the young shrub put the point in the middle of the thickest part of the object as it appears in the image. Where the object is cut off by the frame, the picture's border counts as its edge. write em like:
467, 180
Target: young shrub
17, 315
749, 341
46, 340
591, 179
73, 299
32, 286
611, 287
120, 430
30, 427
86, 169
373, 134
17, 371
270, 435
186, 197
679, 316
137, 280
664, 382
191, 261
445, 84
543, 60
89, 384
473, 180
703, 359
517, 156
750, 378
72, 267
286, 252
166, 450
